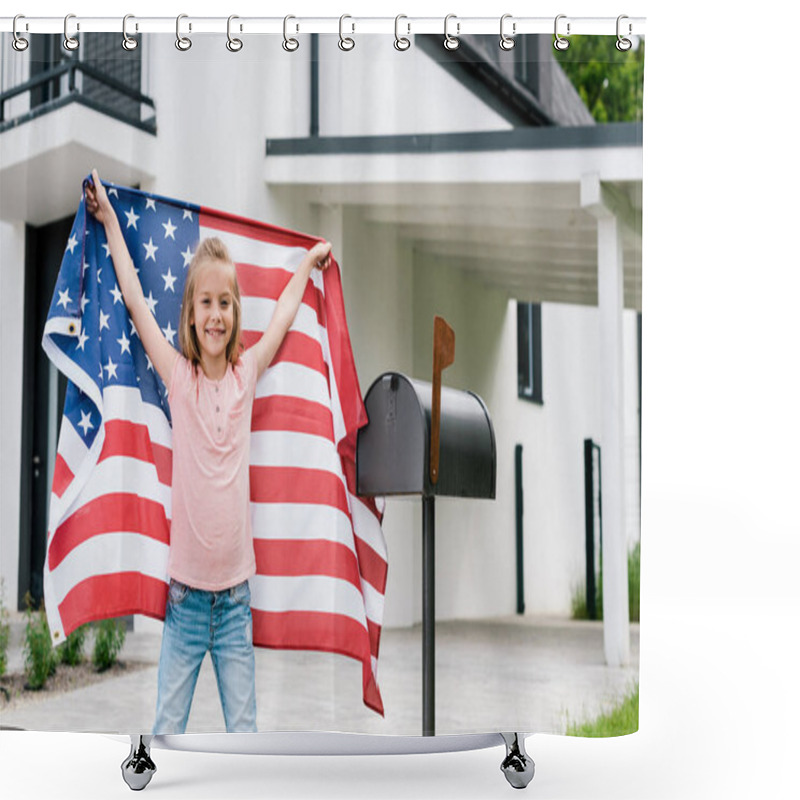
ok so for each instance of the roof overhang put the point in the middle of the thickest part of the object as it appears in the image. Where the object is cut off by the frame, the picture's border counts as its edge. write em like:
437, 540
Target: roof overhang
44, 160
506, 206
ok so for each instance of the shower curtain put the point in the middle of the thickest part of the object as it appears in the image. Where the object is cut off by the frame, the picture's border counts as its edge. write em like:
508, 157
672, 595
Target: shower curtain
495, 182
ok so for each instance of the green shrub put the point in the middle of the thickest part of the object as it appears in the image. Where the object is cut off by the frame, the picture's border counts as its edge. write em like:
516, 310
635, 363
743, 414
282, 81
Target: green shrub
634, 564
71, 651
578, 602
40, 657
4, 632
579, 605
109, 636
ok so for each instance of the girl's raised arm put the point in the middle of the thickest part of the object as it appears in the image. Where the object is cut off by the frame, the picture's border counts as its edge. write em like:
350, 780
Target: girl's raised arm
162, 354
288, 305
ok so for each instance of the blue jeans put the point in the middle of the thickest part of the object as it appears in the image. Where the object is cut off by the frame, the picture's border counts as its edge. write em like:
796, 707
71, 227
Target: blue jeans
198, 621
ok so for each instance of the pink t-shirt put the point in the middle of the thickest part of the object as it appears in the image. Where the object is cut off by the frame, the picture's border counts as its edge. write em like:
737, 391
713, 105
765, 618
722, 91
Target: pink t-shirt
211, 541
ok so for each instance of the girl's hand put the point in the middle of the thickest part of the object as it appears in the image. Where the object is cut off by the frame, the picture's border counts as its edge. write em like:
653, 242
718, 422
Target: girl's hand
320, 255
97, 200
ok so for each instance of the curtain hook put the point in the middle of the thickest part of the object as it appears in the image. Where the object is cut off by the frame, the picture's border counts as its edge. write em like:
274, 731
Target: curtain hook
623, 43
345, 42
560, 43
507, 42
401, 42
183, 43
289, 45
70, 42
128, 42
451, 42
234, 45
19, 43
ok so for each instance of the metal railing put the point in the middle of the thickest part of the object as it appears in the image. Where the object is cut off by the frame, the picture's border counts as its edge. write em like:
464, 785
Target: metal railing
76, 94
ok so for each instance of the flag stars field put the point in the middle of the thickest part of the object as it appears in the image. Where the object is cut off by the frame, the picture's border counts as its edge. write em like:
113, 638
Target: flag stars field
151, 249
151, 303
169, 229
64, 299
169, 334
86, 422
133, 217
125, 344
116, 294
169, 281
111, 369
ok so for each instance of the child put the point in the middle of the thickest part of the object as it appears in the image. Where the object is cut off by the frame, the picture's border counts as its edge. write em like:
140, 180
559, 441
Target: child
211, 388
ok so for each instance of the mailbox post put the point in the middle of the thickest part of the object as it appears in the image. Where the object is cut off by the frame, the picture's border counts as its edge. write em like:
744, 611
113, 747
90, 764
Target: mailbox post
394, 457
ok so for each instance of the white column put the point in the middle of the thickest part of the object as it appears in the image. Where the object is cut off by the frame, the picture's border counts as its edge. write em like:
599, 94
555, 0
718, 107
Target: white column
616, 624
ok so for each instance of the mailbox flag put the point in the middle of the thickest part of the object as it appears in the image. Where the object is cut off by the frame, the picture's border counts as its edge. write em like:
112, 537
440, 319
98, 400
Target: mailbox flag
320, 551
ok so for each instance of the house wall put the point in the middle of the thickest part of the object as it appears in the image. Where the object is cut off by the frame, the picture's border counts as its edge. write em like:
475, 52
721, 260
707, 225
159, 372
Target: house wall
407, 93
12, 287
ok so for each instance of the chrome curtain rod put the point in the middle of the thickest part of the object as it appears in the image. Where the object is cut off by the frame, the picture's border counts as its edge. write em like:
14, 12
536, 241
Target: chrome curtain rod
454, 25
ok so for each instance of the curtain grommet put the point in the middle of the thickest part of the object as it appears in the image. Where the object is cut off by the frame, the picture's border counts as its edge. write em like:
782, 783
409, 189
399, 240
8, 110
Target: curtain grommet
507, 42
70, 42
128, 42
183, 43
234, 45
289, 44
19, 43
451, 42
346, 43
401, 43
623, 44
560, 43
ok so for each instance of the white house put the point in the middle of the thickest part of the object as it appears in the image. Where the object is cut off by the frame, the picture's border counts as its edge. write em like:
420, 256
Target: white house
465, 183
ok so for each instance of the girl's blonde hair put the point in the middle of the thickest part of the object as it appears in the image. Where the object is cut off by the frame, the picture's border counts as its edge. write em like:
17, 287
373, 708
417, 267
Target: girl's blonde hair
211, 249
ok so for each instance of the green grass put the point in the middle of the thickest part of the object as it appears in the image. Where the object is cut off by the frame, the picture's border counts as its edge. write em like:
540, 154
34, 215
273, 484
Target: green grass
619, 721
578, 604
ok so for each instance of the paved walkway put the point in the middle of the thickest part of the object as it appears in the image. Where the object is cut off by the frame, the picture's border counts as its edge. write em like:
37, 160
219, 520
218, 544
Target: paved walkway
514, 673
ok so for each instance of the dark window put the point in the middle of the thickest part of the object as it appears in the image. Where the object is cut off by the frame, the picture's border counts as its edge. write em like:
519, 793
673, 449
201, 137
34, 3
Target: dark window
520, 63
46, 54
529, 352
526, 63
104, 53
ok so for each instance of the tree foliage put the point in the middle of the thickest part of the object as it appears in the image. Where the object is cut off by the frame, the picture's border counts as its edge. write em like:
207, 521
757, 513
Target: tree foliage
609, 82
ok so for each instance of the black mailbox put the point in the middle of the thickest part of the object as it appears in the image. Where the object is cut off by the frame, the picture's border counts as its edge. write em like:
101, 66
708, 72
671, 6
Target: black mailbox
423, 439
393, 452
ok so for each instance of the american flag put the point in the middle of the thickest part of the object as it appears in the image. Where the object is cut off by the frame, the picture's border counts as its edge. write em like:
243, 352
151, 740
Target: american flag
320, 552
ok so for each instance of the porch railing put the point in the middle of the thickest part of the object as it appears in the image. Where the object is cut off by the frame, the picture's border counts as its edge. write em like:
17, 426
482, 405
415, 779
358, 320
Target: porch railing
76, 94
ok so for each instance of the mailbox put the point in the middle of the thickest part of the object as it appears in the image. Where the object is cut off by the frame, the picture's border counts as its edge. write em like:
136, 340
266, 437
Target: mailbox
426, 440
393, 451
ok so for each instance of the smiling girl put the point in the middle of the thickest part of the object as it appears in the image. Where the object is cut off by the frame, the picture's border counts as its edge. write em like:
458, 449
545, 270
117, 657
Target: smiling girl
211, 387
